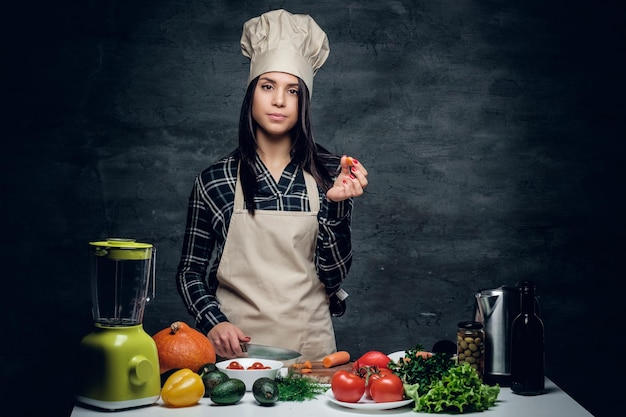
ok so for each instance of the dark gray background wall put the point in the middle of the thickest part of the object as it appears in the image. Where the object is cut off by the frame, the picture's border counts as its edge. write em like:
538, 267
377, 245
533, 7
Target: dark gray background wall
492, 129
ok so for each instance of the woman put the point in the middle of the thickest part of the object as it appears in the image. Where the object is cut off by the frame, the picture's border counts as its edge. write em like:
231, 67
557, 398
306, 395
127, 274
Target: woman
272, 219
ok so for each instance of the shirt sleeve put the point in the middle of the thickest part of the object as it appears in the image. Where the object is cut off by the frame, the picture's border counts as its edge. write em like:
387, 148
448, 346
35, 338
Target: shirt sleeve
334, 244
197, 293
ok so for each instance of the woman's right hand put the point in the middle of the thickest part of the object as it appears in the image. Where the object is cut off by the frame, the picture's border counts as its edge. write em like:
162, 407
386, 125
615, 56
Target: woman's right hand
350, 182
227, 339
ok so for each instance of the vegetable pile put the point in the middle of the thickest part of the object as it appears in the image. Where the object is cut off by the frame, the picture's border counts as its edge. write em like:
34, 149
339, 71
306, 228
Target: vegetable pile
440, 385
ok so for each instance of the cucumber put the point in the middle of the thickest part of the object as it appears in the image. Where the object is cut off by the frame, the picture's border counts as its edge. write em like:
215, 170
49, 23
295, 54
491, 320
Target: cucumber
228, 392
265, 391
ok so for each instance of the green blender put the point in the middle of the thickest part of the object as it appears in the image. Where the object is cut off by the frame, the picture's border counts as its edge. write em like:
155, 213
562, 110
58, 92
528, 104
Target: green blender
118, 360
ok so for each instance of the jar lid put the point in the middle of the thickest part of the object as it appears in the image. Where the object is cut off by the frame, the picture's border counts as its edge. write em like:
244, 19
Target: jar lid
470, 325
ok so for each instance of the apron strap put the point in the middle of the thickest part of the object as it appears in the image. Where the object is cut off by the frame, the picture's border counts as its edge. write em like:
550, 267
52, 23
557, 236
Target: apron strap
238, 204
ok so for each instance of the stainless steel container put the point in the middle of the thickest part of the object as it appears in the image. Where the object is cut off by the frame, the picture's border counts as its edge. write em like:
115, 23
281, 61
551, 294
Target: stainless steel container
495, 309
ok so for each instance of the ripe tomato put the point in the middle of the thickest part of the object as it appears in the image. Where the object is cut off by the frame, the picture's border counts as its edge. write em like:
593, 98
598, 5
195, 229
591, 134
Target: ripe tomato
234, 365
368, 384
372, 375
387, 388
256, 365
372, 358
347, 386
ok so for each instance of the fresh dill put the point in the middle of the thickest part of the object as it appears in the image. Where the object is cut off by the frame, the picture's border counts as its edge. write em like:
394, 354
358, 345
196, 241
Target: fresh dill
294, 387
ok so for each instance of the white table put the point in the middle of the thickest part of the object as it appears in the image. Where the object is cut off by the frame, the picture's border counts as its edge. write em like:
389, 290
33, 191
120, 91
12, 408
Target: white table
555, 402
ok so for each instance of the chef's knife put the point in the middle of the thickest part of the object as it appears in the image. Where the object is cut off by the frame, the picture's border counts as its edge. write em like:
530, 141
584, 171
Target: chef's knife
268, 352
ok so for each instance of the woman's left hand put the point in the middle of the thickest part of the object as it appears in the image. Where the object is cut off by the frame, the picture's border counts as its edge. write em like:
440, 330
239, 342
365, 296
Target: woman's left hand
350, 182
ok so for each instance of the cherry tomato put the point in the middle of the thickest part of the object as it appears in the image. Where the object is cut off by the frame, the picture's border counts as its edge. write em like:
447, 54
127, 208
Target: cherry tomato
372, 358
256, 365
347, 386
387, 388
234, 365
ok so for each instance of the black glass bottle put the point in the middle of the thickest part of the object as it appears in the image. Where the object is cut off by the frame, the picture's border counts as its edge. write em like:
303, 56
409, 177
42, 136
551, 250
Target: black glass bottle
527, 346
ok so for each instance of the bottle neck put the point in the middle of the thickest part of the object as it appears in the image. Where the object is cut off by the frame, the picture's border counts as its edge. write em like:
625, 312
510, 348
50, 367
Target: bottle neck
527, 298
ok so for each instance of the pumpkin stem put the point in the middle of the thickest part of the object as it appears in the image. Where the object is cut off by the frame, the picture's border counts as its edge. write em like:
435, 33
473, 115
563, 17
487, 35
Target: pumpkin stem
174, 327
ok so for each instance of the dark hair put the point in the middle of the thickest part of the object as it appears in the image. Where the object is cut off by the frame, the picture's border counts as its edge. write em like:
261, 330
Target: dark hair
305, 152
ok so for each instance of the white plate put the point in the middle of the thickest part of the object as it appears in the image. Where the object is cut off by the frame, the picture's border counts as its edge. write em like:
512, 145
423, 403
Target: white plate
397, 355
365, 404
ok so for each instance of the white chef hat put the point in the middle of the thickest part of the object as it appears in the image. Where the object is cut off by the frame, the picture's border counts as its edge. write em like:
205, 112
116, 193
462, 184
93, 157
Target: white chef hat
279, 41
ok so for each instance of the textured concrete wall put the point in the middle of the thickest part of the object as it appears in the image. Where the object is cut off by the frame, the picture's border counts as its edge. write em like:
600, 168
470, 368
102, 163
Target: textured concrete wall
490, 129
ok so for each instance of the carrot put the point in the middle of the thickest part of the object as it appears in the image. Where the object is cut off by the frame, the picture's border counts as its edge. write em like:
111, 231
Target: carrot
303, 365
350, 161
335, 359
423, 354
306, 370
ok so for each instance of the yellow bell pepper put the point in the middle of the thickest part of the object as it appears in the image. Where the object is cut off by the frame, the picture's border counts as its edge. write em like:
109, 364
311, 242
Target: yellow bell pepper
183, 388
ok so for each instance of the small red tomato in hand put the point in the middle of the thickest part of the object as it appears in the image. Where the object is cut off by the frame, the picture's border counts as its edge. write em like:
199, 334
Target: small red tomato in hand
387, 388
347, 386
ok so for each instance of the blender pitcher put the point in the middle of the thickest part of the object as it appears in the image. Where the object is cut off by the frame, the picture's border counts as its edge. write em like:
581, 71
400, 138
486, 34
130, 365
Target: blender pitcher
121, 272
118, 364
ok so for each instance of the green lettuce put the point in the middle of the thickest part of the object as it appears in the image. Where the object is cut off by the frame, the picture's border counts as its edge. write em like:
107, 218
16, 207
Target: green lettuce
459, 391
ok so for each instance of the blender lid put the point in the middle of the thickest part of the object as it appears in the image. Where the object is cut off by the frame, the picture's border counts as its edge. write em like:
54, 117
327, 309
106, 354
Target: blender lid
119, 248
116, 242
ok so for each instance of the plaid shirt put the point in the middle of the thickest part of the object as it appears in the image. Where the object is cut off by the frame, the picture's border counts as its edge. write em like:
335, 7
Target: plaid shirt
210, 209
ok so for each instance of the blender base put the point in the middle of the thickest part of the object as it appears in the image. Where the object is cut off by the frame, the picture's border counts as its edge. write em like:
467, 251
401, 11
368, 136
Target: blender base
118, 405
118, 368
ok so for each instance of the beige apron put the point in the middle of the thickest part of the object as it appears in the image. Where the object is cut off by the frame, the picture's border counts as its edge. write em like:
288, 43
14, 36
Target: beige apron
268, 284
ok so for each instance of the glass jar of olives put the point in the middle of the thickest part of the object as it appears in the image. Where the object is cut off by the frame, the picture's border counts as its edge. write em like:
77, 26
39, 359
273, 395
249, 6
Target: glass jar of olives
470, 342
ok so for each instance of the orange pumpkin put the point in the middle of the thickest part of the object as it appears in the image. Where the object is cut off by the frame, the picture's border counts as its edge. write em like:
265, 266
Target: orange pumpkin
180, 346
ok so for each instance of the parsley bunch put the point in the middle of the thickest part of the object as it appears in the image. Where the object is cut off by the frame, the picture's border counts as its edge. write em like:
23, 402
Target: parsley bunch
413, 369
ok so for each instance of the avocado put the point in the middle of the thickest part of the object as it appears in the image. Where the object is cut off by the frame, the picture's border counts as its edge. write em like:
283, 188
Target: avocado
206, 368
211, 380
265, 391
228, 392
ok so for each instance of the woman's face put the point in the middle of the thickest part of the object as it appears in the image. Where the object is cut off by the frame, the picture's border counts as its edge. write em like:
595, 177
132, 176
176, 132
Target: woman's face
275, 104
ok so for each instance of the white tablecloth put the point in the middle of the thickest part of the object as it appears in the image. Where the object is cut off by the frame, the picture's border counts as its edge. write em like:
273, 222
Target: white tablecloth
555, 402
